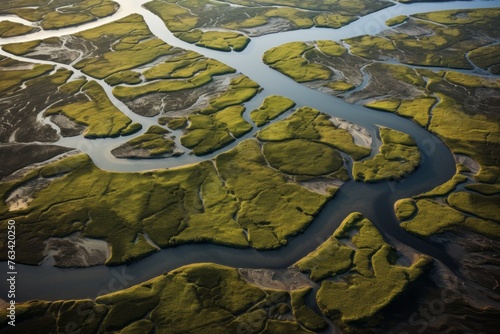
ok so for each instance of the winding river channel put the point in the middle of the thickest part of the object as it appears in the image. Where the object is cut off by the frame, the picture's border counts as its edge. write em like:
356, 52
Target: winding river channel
375, 201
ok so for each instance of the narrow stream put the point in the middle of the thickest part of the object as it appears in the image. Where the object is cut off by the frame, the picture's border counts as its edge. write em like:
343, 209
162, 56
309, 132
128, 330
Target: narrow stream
374, 200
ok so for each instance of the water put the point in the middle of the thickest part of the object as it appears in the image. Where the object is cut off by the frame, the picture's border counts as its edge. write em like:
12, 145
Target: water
374, 200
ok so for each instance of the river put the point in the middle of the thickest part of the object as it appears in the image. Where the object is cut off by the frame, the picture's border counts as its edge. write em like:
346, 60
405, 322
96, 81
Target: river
375, 201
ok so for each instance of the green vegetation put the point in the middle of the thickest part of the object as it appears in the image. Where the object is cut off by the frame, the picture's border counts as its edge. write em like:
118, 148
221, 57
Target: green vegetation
207, 133
92, 108
476, 211
290, 60
131, 129
13, 78
367, 262
397, 157
486, 207
331, 48
57, 14
272, 107
140, 65
192, 20
240, 90
221, 121
304, 315
122, 59
396, 20
446, 187
154, 143
10, 29
272, 208
484, 189
340, 86
454, 33
310, 158
487, 57
195, 298
405, 208
176, 123
330, 259
311, 125
223, 41
128, 77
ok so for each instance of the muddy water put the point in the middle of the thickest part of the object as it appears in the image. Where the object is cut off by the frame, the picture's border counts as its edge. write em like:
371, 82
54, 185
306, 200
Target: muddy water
374, 200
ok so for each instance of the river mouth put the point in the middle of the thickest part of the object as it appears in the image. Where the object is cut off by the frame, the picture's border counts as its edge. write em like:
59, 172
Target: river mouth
374, 200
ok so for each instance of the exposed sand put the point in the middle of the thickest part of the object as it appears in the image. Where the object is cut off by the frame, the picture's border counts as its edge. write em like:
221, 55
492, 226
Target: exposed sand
288, 279
274, 25
76, 251
360, 135
322, 186
20, 198
468, 162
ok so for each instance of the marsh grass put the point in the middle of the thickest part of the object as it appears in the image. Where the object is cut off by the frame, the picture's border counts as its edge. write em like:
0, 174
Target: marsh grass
271, 108
311, 125
11, 29
93, 109
358, 252
397, 157
203, 296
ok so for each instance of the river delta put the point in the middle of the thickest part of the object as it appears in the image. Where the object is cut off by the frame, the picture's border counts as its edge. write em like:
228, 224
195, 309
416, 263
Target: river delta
265, 166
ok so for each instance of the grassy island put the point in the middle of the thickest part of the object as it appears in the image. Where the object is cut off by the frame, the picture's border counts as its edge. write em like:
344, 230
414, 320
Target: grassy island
367, 263
397, 157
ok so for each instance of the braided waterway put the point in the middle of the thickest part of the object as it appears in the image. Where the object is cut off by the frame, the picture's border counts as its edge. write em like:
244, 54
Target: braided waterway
375, 201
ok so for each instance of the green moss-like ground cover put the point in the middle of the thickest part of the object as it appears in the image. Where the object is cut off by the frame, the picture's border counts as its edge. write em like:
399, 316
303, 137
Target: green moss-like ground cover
59, 14
290, 59
487, 57
10, 29
14, 77
310, 158
192, 20
304, 315
397, 157
311, 125
271, 207
92, 108
207, 133
154, 142
366, 261
272, 107
222, 120
443, 209
396, 20
197, 298
241, 89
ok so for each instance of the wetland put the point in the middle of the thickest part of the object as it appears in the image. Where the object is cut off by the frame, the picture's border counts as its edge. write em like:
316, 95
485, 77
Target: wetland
258, 202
